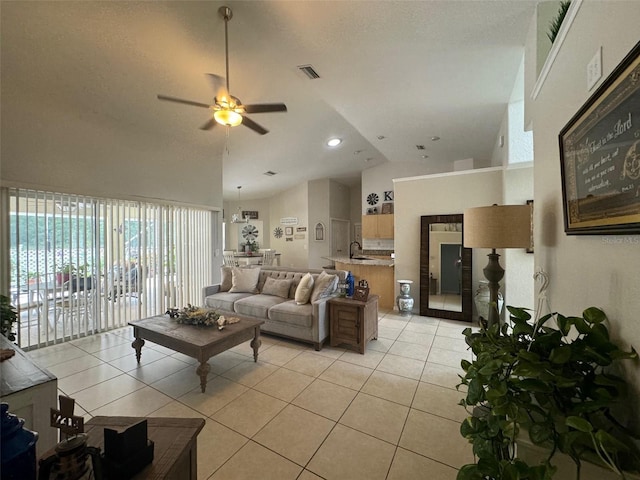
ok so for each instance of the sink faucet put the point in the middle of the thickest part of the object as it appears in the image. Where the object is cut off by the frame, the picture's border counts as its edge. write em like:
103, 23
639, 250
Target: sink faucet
351, 246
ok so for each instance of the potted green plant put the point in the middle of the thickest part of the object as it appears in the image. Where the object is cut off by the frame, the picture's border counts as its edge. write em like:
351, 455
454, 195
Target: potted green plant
549, 380
64, 273
8, 318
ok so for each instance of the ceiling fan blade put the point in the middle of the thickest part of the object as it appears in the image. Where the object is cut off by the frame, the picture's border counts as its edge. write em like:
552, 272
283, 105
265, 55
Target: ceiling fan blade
209, 125
247, 122
219, 85
181, 100
265, 108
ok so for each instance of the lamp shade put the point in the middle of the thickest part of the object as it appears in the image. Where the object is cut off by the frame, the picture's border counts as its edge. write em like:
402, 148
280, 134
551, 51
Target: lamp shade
228, 117
498, 226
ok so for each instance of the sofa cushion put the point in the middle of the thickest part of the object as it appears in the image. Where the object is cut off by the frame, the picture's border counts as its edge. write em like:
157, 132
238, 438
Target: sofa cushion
305, 287
225, 278
292, 313
256, 305
244, 280
279, 288
224, 300
324, 286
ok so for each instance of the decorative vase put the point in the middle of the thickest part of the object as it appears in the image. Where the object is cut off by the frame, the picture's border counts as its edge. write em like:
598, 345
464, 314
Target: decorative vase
482, 299
404, 301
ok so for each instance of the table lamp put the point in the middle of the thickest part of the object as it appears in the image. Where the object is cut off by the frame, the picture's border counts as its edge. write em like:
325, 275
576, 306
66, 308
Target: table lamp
497, 226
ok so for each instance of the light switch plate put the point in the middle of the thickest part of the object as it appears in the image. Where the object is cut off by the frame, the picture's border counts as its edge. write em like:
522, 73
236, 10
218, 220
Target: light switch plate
594, 69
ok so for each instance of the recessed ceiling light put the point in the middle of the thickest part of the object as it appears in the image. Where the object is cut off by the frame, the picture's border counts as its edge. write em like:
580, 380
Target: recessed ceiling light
425, 156
381, 137
435, 138
334, 142
368, 159
358, 152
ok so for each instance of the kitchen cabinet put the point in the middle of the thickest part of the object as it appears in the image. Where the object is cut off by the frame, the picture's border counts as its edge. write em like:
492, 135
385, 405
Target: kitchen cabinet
377, 226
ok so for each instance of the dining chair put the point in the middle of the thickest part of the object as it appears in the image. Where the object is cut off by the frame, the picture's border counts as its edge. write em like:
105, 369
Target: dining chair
229, 258
268, 256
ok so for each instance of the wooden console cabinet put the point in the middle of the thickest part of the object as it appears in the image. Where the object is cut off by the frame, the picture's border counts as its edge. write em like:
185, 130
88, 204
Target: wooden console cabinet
353, 322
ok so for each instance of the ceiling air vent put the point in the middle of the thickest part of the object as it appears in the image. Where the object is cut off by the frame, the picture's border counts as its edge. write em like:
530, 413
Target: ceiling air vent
420, 147
309, 71
269, 173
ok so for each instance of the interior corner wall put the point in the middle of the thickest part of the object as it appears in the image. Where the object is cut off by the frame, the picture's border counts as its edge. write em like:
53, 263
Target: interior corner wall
440, 194
585, 270
293, 202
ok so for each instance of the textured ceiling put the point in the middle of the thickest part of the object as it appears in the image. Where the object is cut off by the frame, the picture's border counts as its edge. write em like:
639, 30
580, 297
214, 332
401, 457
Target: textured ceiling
403, 70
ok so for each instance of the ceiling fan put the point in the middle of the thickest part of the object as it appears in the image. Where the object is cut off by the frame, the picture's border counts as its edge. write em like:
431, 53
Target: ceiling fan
227, 109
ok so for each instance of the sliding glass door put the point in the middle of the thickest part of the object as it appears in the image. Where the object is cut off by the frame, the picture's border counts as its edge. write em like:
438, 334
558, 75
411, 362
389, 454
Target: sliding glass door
80, 265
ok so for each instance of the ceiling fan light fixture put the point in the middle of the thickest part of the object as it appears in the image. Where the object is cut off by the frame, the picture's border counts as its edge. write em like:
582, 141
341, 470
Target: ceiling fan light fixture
227, 117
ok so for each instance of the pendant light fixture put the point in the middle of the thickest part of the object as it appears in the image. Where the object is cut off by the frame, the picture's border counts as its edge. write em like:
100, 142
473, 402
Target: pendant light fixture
237, 217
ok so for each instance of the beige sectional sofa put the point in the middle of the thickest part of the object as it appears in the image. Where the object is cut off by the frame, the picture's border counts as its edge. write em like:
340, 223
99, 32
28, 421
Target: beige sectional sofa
274, 300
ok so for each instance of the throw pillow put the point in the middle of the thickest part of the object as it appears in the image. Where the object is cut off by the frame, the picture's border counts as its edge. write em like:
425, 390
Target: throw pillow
225, 279
278, 288
305, 287
324, 286
244, 280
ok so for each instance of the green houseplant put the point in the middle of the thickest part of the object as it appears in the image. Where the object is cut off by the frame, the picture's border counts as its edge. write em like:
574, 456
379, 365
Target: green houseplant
8, 318
545, 379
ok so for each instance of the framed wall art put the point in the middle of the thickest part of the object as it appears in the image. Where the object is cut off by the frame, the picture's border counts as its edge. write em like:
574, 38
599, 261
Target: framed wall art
288, 230
600, 156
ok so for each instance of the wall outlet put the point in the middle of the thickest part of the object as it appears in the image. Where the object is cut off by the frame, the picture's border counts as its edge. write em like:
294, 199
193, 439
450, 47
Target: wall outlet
594, 69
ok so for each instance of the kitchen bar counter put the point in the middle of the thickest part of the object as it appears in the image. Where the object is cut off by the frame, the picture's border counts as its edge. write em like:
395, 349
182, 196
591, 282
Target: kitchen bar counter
379, 274
379, 262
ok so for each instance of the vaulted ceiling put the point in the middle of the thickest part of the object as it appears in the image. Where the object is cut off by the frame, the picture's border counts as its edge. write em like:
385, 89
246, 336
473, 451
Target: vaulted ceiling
402, 70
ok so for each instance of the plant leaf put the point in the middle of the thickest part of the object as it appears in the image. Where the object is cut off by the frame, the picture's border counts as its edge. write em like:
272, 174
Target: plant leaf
594, 315
560, 354
579, 424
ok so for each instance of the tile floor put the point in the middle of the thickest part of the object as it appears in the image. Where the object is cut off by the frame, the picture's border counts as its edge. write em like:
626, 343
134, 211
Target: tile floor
390, 414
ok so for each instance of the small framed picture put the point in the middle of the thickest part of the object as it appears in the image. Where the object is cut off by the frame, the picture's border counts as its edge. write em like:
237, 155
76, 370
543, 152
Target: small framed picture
361, 293
288, 230
387, 207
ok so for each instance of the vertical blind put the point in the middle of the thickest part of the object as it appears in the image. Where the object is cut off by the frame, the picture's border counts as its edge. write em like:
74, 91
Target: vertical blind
81, 265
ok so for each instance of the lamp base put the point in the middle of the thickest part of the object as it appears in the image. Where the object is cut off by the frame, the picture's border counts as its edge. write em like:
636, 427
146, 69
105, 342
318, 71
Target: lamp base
493, 272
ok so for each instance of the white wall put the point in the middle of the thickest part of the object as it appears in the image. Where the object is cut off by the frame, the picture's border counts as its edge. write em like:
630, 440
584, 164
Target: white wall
319, 211
441, 194
602, 271
291, 203
518, 282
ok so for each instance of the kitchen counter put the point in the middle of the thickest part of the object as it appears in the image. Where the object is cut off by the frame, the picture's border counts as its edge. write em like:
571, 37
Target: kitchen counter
379, 262
378, 272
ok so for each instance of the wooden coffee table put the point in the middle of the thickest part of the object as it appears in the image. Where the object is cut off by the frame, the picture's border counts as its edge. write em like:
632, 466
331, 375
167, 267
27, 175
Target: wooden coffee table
201, 343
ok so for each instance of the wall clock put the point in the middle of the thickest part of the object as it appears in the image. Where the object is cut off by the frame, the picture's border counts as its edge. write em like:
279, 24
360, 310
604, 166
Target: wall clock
249, 232
372, 198
277, 232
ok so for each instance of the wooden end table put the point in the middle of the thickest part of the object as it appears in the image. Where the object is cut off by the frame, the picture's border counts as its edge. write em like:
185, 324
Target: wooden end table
198, 342
353, 322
